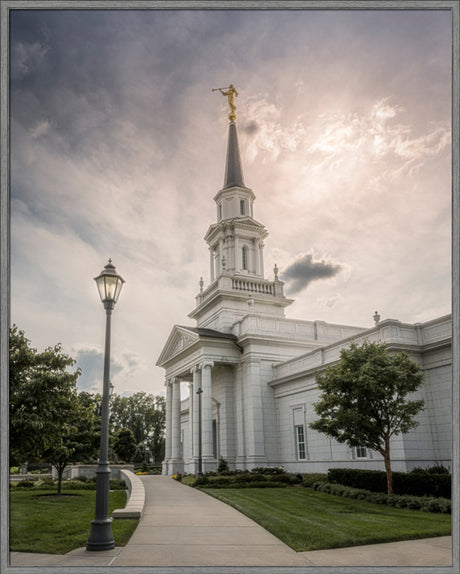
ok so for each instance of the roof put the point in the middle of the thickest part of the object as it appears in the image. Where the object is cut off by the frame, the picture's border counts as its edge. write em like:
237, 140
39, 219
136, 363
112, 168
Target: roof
202, 332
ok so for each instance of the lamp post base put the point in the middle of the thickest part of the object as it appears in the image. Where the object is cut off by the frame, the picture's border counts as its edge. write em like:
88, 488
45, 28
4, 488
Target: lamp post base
101, 536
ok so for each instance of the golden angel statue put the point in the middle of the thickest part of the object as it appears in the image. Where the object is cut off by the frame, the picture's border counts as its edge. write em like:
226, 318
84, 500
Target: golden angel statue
230, 93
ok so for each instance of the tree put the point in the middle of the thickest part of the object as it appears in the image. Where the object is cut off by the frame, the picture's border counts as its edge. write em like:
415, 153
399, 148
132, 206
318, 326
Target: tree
125, 444
144, 414
42, 396
76, 440
363, 400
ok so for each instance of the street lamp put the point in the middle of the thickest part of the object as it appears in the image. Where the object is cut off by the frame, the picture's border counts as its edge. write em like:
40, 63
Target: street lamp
109, 284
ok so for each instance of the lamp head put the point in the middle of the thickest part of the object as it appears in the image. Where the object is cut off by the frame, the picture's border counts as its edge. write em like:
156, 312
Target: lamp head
109, 284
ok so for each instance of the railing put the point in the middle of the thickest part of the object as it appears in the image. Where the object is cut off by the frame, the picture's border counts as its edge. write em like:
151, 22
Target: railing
252, 286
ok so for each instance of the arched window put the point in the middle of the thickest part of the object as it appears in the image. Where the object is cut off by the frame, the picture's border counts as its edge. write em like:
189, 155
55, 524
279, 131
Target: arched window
245, 257
242, 207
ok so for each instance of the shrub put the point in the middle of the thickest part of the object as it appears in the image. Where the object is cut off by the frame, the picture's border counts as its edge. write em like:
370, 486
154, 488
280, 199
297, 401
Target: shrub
117, 484
25, 484
308, 480
424, 503
268, 470
14, 470
418, 482
81, 478
77, 485
438, 469
223, 466
189, 480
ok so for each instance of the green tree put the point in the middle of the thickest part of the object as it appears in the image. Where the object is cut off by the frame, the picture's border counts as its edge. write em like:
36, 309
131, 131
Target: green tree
363, 400
144, 414
76, 441
42, 395
125, 444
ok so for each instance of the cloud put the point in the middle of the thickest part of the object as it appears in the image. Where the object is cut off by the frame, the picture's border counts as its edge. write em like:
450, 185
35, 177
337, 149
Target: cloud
123, 367
270, 134
251, 127
306, 269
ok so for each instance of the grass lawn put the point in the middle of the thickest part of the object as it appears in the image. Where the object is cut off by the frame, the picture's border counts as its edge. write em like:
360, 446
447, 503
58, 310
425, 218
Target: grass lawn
57, 524
309, 520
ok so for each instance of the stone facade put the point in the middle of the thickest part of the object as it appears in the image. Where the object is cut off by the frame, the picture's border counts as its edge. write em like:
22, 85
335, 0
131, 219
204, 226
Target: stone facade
255, 369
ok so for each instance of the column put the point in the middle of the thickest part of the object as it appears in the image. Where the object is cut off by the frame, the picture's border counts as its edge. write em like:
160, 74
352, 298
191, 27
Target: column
239, 419
261, 258
206, 408
211, 264
168, 427
236, 248
256, 255
254, 423
175, 425
188, 461
196, 384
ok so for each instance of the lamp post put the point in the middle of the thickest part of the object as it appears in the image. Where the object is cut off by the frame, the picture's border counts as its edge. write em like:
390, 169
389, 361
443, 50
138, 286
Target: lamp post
109, 284
200, 454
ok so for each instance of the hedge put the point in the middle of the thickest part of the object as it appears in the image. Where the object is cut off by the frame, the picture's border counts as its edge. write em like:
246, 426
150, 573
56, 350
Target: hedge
418, 482
424, 503
73, 484
246, 479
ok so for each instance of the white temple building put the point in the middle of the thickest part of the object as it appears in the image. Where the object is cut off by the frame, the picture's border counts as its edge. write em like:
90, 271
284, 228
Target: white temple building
255, 368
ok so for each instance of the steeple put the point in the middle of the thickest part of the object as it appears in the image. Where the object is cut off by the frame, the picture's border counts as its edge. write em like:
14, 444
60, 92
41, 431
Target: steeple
236, 244
233, 170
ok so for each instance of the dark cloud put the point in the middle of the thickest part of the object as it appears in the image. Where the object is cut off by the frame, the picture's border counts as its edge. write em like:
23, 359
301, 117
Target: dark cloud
251, 127
91, 363
305, 269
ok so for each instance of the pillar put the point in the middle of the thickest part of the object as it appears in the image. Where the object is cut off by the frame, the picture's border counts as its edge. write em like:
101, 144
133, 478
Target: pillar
206, 423
196, 384
165, 469
254, 423
177, 465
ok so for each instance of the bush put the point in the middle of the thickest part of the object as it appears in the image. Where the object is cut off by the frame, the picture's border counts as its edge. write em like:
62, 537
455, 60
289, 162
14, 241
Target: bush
268, 470
424, 503
77, 485
117, 484
222, 466
25, 484
438, 469
81, 478
418, 482
308, 480
15, 470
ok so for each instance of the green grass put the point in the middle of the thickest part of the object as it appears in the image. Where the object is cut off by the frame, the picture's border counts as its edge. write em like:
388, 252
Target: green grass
59, 524
309, 520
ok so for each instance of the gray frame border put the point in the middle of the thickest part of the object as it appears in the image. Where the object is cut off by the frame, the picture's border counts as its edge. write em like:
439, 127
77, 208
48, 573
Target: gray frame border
454, 7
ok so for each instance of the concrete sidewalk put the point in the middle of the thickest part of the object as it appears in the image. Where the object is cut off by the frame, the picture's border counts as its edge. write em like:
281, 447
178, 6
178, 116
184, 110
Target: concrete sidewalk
182, 526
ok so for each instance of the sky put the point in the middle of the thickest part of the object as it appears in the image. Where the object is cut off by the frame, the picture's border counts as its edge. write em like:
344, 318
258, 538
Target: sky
118, 147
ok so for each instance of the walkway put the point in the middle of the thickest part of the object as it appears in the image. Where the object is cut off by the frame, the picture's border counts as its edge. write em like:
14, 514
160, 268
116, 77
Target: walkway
182, 526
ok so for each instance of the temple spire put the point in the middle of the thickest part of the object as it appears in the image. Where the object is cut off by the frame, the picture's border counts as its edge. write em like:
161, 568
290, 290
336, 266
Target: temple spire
233, 169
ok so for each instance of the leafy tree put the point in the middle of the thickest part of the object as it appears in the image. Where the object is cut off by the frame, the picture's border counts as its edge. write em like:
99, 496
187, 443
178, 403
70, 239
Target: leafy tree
144, 414
125, 444
363, 400
76, 441
42, 396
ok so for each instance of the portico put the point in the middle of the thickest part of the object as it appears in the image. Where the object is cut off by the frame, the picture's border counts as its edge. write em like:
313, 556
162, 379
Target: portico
198, 360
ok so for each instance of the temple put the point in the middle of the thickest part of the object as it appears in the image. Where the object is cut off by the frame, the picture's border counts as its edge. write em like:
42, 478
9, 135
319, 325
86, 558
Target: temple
250, 371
